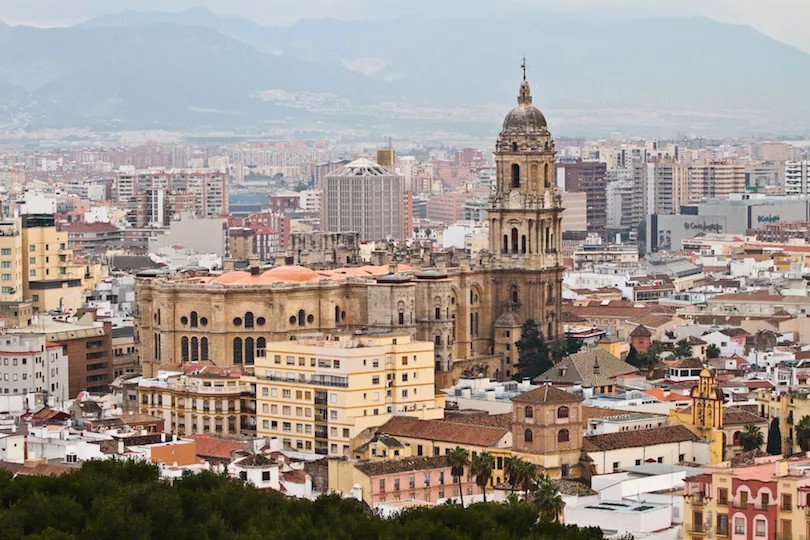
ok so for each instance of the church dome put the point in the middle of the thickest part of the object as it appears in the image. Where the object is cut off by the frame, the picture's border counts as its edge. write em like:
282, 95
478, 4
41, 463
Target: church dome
525, 119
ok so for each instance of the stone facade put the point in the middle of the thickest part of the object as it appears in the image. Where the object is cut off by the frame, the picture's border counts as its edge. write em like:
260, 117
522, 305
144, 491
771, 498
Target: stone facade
437, 295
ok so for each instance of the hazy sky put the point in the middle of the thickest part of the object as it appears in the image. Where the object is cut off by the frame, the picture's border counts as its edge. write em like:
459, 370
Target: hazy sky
785, 20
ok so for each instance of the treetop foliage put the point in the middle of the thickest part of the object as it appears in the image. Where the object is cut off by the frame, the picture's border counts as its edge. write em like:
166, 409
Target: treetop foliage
109, 500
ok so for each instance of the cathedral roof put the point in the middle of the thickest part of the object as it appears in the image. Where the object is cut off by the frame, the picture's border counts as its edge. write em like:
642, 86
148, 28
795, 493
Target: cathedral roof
525, 119
508, 319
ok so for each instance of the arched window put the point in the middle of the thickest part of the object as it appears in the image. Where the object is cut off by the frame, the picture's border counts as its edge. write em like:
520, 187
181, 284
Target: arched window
513, 294
528, 412
261, 347
194, 319
157, 347
523, 244
550, 333
337, 315
736, 439
158, 316
528, 436
562, 412
514, 240
563, 436
301, 318
195, 349
475, 325
505, 243
249, 319
237, 351
204, 349
514, 147
250, 352
472, 325
548, 235
184, 349
546, 179
515, 175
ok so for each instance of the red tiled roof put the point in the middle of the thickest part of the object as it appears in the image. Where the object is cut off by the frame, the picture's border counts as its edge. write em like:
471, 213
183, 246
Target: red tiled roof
80, 228
490, 420
439, 430
212, 447
635, 439
40, 469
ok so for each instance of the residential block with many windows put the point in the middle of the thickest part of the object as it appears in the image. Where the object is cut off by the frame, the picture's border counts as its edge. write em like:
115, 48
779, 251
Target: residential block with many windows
318, 393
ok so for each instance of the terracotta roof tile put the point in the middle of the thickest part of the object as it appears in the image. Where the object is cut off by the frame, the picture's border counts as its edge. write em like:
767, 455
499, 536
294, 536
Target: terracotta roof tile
378, 468
491, 420
635, 439
439, 430
547, 394
212, 447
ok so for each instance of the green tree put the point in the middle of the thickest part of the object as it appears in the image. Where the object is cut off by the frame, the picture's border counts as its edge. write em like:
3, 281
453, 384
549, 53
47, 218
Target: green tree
457, 459
547, 500
482, 466
774, 446
712, 351
558, 350
633, 357
683, 349
751, 438
803, 433
521, 474
573, 345
533, 351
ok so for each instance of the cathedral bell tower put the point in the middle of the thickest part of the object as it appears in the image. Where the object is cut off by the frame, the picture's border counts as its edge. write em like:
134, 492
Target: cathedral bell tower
525, 218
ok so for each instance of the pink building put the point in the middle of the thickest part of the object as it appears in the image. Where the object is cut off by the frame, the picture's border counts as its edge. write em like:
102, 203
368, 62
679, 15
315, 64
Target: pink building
426, 479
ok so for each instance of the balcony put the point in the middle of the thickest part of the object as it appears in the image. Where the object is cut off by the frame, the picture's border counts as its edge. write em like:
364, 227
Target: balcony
786, 508
696, 528
697, 500
321, 434
320, 401
320, 417
327, 380
721, 532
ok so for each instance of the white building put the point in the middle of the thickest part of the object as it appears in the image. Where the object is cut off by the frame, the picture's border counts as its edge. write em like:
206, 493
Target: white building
29, 364
624, 422
797, 177
669, 445
310, 201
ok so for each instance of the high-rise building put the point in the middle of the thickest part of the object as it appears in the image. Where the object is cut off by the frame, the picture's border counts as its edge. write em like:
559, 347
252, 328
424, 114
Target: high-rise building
317, 394
715, 179
50, 280
797, 177
364, 197
588, 177
620, 205
669, 182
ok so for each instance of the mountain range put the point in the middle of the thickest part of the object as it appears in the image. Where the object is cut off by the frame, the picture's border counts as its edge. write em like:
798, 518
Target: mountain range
197, 70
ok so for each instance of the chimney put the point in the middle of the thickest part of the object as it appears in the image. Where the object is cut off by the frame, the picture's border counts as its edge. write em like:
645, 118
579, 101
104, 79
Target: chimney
253, 263
227, 264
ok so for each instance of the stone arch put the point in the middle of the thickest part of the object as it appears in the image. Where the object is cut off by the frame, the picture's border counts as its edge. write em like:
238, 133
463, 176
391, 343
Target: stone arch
515, 235
515, 175
514, 147
195, 349
546, 179
184, 349
528, 436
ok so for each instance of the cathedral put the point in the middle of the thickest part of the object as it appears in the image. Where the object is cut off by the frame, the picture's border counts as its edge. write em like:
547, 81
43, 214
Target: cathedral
471, 309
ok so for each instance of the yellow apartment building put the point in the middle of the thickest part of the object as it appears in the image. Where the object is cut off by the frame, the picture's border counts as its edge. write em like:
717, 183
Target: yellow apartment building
317, 393
789, 408
50, 278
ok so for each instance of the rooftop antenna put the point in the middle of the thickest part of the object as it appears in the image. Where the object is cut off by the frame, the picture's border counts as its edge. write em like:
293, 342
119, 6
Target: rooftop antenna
523, 67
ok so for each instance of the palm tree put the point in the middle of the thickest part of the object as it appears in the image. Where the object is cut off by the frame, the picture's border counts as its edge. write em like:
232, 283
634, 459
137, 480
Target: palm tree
457, 459
482, 466
803, 433
713, 351
751, 438
683, 349
524, 475
547, 500
510, 468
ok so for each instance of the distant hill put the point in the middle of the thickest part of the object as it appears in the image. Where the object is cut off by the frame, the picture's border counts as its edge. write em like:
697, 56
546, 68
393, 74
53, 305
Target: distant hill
590, 76
156, 76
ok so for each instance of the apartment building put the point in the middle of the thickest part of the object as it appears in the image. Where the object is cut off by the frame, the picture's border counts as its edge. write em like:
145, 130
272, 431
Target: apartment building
669, 186
208, 186
11, 268
318, 393
766, 500
797, 177
208, 400
28, 363
715, 179
87, 345
589, 177
50, 280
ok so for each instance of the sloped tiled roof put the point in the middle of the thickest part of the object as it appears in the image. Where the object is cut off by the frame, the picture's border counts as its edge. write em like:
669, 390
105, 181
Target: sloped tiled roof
640, 331
547, 394
213, 447
491, 420
688, 363
579, 368
439, 430
635, 439
378, 468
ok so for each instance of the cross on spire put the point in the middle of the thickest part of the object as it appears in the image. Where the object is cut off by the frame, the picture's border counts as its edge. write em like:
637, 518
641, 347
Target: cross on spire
523, 66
